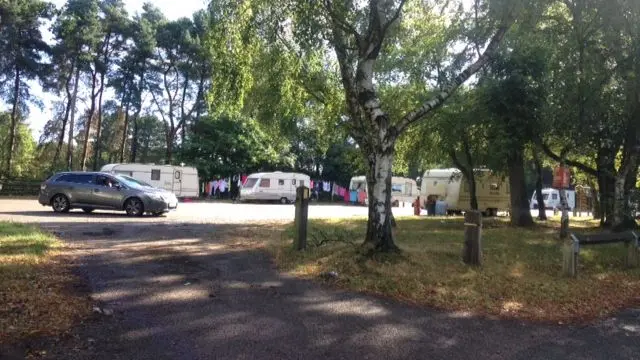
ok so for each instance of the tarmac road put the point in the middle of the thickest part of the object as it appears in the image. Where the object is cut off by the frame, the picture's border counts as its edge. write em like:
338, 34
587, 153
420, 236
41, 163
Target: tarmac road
190, 286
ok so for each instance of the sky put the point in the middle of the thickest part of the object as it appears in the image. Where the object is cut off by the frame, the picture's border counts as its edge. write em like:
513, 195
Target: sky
172, 9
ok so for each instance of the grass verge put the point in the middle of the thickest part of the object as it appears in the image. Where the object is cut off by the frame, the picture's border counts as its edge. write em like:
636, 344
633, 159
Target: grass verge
521, 276
36, 296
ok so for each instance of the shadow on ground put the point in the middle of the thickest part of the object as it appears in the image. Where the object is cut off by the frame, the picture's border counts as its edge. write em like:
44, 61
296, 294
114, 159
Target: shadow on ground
200, 291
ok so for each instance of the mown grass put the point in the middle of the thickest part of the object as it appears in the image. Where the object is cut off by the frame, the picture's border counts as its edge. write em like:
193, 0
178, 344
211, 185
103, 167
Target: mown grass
520, 278
35, 284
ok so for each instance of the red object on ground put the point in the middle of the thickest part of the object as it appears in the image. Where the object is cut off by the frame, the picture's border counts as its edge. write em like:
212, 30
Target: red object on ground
561, 177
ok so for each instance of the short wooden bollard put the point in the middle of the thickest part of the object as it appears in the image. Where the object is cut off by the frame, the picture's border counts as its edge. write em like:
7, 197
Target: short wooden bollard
301, 219
472, 252
570, 250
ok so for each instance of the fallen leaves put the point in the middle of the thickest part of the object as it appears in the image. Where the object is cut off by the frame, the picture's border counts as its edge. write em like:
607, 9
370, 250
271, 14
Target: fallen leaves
37, 297
521, 277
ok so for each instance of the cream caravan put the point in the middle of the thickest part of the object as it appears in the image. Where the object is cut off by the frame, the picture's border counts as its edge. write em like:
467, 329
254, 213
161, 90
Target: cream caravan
402, 189
450, 186
180, 180
273, 186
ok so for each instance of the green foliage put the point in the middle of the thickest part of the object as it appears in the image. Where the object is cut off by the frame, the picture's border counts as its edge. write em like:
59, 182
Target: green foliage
227, 145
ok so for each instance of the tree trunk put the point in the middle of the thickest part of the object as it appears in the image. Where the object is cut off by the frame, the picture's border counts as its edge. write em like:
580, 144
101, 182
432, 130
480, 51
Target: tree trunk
171, 135
542, 213
606, 184
125, 131
564, 220
14, 121
87, 131
97, 151
65, 119
380, 219
520, 213
72, 120
134, 140
622, 214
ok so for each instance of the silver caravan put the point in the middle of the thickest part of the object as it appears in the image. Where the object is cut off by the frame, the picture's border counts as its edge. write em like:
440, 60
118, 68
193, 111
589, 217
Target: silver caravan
180, 180
273, 186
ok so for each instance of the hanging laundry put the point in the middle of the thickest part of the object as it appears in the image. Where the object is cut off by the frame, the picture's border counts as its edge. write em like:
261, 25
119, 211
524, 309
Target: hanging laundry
326, 186
311, 184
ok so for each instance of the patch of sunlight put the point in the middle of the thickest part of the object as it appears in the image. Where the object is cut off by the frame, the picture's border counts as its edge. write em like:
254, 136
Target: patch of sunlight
511, 306
143, 333
183, 295
112, 295
602, 276
587, 254
306, 269
517, 271
469, 275
356, 307
460, 315
384, 335
237, 285
631, 328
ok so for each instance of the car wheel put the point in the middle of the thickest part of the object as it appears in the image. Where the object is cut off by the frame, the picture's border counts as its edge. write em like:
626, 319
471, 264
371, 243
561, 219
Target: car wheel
134, 207
60, 204
284, 200
87, 210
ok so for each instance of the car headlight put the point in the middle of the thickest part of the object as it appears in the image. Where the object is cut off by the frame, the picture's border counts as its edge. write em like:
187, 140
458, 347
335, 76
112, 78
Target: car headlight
156, 197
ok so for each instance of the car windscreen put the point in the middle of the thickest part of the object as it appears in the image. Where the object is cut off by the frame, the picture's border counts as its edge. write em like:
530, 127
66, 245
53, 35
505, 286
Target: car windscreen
129, 182
139, 182
250, 183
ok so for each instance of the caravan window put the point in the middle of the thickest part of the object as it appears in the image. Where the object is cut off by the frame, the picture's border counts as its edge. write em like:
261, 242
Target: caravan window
265, 183
554, 196
545, 197
281, 182
155, 175
293, 181
396, 188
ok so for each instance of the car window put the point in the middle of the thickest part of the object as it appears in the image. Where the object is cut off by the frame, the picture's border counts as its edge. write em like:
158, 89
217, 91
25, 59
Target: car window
65, 178
106, 181
76, 178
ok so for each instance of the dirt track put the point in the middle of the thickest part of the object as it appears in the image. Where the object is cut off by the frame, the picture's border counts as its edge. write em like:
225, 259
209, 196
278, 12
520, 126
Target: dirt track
191, 286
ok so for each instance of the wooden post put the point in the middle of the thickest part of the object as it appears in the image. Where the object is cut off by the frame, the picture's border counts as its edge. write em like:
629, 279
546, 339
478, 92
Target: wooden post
301, 219
472, 252
633, 252
570, 249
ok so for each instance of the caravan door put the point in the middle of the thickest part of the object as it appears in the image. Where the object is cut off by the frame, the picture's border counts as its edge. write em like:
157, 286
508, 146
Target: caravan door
177, 182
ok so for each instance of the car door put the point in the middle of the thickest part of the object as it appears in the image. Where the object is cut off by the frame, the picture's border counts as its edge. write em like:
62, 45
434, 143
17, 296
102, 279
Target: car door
107, 192
78, 187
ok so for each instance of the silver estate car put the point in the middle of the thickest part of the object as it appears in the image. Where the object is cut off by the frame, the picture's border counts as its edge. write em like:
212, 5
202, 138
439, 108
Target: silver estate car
95, 190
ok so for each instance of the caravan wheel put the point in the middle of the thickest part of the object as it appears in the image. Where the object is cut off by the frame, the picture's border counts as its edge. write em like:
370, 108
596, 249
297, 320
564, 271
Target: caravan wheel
284, 200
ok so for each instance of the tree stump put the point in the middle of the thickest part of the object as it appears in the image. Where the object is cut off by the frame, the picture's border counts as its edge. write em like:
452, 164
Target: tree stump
472, 252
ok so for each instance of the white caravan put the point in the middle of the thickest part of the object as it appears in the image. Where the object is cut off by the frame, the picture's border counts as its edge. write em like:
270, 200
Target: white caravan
552, 199
402, 189
181, 180
269, 186
448, 185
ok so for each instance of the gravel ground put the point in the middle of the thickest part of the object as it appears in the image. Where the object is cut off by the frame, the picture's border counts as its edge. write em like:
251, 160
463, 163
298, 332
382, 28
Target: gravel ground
188, 286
